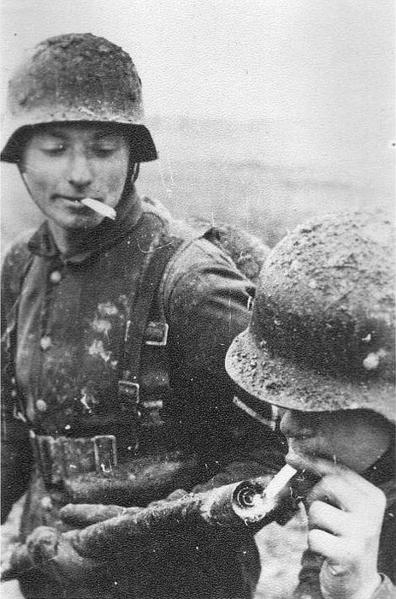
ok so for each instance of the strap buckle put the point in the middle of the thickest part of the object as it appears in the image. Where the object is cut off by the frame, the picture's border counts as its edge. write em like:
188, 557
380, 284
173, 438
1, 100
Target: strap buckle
64, 458
129, 396
129, 389
105, 450
157, 333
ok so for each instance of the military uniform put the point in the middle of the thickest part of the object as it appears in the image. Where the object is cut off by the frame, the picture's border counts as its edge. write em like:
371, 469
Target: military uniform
115, 389
170, 424
321, 344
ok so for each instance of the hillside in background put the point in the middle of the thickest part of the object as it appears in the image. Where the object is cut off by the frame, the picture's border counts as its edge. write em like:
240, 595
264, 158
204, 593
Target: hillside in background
262, 175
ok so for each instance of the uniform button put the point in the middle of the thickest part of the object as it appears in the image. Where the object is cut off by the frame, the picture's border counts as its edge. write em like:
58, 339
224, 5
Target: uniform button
45, 342
41, 405
55, 276
46, 502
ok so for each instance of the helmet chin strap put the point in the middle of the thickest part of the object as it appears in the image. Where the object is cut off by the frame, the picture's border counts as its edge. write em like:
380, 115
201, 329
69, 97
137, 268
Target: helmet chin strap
22, 172
131, 177
136, 170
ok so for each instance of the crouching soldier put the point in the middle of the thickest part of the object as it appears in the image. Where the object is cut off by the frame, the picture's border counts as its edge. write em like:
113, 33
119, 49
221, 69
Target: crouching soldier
321, 347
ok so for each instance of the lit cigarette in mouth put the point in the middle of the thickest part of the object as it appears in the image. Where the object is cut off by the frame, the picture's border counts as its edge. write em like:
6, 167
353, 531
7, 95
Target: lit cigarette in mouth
99, 207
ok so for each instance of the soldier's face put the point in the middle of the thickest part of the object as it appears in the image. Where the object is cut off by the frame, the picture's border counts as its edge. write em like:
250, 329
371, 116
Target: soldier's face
355, 438
64, 163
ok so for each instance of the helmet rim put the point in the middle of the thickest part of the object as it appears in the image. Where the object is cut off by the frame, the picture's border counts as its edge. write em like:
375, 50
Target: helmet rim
289, 385
146, 150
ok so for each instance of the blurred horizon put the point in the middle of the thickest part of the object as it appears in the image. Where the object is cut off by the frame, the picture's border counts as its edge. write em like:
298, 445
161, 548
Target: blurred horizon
264, 113
225, 171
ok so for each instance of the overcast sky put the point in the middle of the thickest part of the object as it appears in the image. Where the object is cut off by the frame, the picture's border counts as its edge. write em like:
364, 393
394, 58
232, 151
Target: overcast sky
324, 67
233, 58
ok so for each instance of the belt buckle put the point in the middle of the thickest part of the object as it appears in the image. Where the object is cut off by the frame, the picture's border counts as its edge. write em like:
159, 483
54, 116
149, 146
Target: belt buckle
105, 449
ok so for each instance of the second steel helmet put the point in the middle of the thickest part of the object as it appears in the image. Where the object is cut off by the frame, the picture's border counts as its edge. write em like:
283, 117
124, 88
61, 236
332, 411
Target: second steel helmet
322, 332
76, 77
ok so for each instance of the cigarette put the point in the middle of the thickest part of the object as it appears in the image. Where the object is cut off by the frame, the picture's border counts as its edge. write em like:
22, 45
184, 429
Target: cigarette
99, 207
279, 481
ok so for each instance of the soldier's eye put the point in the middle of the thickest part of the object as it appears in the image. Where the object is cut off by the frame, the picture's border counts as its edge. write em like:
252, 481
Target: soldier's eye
103, 151
53, 149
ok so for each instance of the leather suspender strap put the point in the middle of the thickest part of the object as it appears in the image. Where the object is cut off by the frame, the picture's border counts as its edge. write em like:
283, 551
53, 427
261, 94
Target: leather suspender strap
152, 271
8, 344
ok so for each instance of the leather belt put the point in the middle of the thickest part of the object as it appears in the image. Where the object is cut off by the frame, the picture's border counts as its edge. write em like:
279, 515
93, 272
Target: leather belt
60, 458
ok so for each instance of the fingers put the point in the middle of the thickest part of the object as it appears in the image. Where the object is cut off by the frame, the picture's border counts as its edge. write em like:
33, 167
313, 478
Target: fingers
349, 492
331, 547
336, 484
327, 517
318, 466
345, 531
322, 467
345, 515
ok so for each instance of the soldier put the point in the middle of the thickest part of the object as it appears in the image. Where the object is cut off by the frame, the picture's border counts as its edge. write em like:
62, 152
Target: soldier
247, 251
321, 346
116, 324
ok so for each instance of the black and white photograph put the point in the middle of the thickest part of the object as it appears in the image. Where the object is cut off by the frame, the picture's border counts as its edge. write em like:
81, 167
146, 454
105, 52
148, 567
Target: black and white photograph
198, 299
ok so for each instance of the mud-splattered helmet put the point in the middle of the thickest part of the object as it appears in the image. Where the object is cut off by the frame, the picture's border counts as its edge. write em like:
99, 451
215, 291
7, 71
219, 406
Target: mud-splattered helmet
322, 333
74, 78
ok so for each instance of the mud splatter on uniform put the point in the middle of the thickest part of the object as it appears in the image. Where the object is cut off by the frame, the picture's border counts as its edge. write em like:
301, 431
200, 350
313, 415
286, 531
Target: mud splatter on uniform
66, 332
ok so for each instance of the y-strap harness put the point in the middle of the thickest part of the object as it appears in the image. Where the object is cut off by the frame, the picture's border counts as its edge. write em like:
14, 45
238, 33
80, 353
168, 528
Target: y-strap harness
143, 301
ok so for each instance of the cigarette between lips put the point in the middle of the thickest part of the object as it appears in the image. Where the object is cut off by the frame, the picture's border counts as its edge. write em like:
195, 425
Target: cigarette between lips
99, 207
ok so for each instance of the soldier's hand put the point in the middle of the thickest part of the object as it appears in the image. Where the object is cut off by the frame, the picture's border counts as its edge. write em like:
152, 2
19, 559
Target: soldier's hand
48, 549
345, 514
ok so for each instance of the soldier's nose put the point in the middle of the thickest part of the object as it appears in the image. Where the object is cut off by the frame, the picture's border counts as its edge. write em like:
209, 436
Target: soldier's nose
80, 173
295, 423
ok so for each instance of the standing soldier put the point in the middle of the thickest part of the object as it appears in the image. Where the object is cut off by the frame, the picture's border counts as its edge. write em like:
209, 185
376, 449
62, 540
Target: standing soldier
115, 334
321, 346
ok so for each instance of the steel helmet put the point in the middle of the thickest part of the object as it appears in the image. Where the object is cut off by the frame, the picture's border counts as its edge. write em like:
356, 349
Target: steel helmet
322, 332
76, 77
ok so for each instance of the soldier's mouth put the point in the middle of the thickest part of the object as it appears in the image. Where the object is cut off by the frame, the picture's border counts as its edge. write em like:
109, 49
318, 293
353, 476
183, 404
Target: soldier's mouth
96, 205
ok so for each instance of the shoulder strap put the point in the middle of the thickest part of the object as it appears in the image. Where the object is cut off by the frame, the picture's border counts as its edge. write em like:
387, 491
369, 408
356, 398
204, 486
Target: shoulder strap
128, 384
